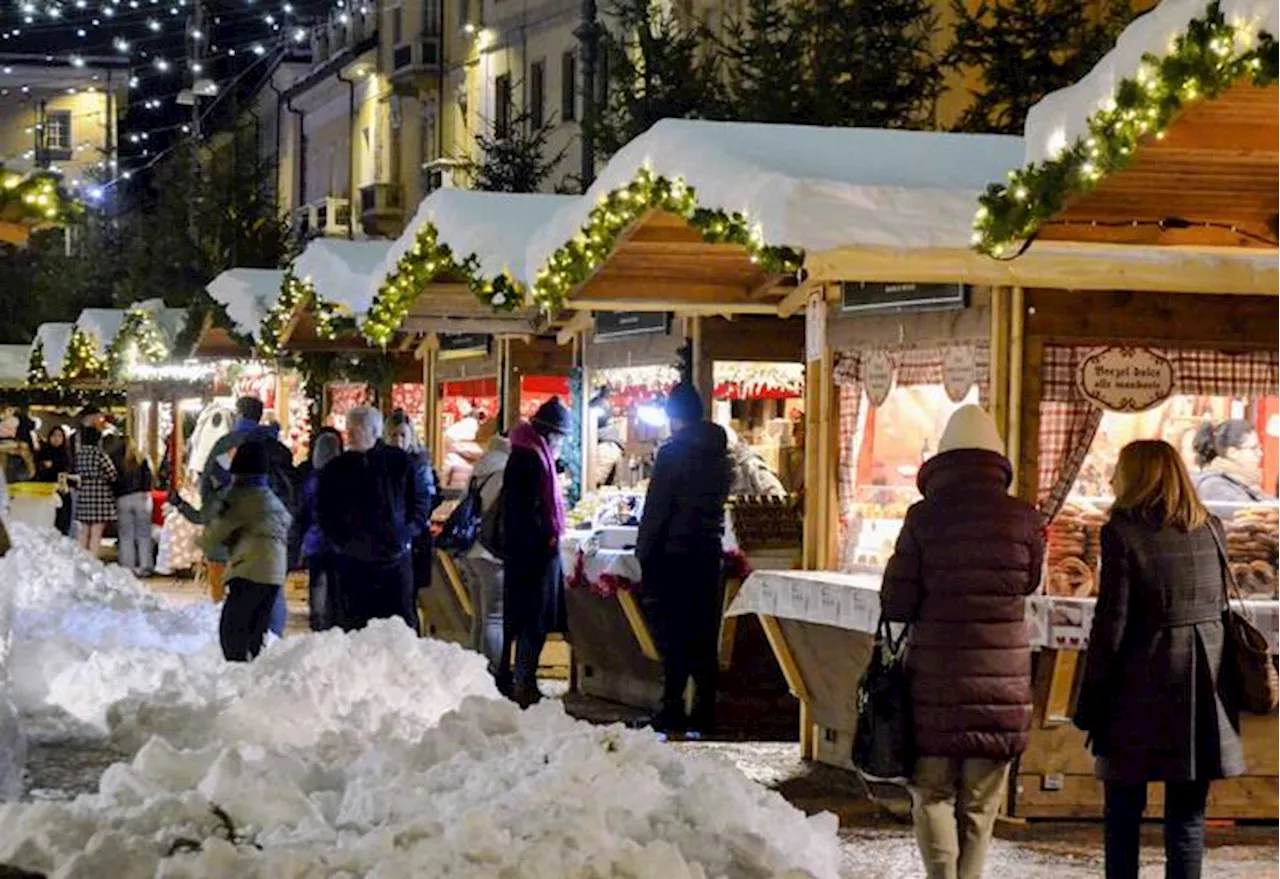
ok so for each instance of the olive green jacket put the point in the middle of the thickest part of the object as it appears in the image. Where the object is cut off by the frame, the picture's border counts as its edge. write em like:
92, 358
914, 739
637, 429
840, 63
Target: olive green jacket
253, 523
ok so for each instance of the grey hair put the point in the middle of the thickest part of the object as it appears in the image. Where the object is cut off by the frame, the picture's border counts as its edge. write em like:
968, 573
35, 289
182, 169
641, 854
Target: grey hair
327, 447
367, 417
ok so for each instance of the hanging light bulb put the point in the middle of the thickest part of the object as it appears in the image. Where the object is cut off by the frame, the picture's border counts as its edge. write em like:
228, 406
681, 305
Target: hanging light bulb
162, 65
153, 25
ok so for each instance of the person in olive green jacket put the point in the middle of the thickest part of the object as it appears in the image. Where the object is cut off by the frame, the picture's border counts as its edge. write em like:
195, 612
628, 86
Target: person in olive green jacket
254, 524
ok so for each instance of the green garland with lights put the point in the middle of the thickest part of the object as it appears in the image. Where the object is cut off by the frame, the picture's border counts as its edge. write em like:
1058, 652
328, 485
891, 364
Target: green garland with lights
36, 371
60, 395
83, 360
577, 259
295, 293
426, 261
139, 339
1211, 56
34, 199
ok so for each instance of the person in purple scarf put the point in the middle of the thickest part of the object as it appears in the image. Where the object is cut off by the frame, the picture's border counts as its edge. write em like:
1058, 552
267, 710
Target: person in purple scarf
532, 522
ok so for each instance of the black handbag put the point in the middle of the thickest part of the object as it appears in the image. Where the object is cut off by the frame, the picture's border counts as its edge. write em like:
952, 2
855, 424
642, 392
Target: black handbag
1249, 678
884, 741
462, 528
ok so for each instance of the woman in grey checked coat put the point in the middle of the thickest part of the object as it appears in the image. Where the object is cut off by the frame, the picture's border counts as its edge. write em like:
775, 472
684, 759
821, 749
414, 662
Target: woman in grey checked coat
95, 497
1151, 698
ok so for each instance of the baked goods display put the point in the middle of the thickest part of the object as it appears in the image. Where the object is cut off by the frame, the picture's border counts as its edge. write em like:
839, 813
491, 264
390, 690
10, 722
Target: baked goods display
1073, 550
1253, 534
608, 506
767, 522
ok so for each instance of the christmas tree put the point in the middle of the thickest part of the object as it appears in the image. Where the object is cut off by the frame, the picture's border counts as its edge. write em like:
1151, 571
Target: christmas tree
518, 162
870, 63
867, 63
1021, 50
764, 61
656, 68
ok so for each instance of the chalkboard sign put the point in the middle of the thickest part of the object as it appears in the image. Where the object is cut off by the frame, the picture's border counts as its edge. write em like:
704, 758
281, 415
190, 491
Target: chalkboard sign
455, 345
894, 296
621, 324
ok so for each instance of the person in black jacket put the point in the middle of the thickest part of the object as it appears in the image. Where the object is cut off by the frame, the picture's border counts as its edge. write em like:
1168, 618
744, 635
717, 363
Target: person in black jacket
401, 435
374, 501
532, 521
54, 461
679, 548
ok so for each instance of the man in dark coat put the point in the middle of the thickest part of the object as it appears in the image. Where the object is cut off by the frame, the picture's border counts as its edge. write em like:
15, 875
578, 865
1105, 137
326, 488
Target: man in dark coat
967, 557
532, 512
680, 549
373, 502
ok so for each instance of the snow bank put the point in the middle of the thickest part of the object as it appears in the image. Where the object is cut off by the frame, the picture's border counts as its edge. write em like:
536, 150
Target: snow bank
374, 754
1062, 118
488, 792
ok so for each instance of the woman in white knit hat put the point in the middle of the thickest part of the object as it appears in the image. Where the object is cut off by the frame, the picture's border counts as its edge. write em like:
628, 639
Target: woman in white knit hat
966, 559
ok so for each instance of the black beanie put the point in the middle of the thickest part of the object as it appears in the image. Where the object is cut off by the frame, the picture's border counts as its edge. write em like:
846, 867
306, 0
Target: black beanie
250, 460
685, 403
553, 416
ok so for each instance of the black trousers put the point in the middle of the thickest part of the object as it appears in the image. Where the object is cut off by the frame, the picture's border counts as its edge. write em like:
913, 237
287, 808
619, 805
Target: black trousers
682, 596
246, 613
321, 593
1183, 828
375, 590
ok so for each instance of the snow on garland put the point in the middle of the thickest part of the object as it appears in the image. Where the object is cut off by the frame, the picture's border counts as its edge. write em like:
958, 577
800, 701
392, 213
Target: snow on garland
36, 371
34, 199
1209, 57
294, 293
429, 260
138, 341
83, 360
574, 262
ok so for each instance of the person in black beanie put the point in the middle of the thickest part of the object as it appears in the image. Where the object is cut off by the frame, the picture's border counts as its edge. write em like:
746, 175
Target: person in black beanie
679, 548
533, 519
253, 523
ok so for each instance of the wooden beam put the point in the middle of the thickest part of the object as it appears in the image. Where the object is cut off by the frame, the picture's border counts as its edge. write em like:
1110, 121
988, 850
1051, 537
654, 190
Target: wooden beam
796, 300
767, 283
681, 308
580, 322
660, 289
487, 326
794, 678
292, 323
1060, 265
639, 628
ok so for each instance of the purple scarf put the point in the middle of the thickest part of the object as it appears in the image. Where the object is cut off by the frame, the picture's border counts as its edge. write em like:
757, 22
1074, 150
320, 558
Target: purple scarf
525, 437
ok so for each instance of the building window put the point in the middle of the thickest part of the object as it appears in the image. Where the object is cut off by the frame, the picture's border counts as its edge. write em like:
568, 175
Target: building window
57, 134
568, 87
537, 93
397, 25
502, 107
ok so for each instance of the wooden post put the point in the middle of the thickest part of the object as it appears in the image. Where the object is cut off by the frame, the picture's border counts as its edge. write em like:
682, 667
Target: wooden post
1013, 445
812, 460
153, 430
178, 443
282, 402
829, 476
431, 397
998, 375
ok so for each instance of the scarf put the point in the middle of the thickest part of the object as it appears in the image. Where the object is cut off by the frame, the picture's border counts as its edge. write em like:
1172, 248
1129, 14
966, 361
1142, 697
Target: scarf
1228, 468
525, 437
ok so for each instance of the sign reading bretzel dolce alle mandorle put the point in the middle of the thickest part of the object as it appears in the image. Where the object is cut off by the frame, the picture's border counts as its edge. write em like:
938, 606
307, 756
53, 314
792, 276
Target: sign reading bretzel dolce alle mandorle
1126, 379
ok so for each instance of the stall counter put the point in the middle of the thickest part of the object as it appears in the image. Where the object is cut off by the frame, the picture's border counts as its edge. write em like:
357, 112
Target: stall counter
821, 627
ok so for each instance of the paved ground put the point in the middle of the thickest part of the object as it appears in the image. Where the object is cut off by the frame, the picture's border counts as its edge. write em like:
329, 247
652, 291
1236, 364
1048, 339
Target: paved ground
875, 831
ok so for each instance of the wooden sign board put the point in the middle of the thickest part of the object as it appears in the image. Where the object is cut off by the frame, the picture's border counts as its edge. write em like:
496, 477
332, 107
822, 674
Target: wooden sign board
1126, 379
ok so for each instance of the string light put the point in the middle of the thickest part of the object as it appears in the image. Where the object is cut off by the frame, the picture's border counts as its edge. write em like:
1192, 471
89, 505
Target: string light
1210, 56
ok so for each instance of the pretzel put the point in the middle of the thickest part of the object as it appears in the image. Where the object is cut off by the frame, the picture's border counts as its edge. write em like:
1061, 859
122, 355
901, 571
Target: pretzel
1072, 577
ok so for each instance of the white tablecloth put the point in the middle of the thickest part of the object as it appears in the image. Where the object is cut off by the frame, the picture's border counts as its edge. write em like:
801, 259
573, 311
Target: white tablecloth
852, 601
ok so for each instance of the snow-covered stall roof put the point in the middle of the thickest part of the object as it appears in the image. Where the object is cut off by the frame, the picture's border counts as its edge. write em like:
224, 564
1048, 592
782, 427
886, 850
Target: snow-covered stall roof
339, 270
247, 295
1063, 117
809, 188
495, 227
54, 339
101, 324
169, 321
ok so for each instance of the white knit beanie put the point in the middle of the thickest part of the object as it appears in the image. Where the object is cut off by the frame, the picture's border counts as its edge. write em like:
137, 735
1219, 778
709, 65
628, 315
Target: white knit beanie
970, 427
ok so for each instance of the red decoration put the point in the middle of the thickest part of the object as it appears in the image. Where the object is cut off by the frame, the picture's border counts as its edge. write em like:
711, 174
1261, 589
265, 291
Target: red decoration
538, 389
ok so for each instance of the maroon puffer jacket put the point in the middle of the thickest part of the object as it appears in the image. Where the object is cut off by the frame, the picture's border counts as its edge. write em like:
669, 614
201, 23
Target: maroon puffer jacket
967, 557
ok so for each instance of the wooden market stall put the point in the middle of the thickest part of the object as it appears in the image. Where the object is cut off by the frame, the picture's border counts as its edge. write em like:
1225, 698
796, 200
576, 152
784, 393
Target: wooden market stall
1173, 273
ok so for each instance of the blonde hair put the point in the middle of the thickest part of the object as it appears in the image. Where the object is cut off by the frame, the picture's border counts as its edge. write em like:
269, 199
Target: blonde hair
133, 457
1152, 479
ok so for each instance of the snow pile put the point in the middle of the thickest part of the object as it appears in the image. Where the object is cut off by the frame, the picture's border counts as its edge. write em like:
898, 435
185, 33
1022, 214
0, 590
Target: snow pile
63, 610
340, 270
1062, 118
247, 295
488, 792
374, 753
